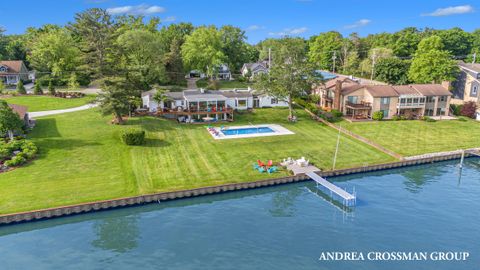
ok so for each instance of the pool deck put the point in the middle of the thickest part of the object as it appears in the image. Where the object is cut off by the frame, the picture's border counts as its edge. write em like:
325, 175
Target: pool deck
278, 131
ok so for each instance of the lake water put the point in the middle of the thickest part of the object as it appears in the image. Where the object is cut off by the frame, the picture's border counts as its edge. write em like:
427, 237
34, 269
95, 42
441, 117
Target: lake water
417, 209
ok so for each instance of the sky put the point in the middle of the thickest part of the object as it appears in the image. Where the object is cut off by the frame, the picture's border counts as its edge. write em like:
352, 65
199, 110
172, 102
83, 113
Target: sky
260, 18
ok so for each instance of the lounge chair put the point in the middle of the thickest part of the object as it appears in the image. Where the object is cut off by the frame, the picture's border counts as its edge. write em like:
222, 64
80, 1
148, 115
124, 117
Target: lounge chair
270, 163
255, 166
260, 163
261, 169
272, 169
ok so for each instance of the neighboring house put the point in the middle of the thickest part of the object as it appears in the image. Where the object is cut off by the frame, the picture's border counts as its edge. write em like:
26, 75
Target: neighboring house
254, 69
467, 85
191, 105
22, 111
11, 72
223, 72
359, 101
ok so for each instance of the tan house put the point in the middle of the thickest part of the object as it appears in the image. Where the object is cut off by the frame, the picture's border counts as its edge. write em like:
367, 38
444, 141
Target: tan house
467, 85
360, 101
11, 72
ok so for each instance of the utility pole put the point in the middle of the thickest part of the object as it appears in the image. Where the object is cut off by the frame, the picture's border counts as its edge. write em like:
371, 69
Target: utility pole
374, 56
334, 58
336, 149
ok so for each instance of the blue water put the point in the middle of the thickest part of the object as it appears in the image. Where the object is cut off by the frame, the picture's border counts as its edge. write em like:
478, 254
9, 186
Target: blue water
425, 208
243, 131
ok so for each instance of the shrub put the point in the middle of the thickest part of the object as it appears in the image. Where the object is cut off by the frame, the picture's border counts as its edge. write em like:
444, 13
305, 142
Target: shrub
21, 88
469, 109
428, 119
456, 109
396, 118
378, 115
15, 161
463, 119
337, 113
37, 89
51, 88
133, 137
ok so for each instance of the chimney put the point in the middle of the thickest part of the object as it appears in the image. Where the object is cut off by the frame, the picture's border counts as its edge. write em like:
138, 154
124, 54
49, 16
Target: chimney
446, 84
338, 93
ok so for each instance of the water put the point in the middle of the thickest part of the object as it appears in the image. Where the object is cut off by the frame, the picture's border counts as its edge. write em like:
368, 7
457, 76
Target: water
243, 131
425, 208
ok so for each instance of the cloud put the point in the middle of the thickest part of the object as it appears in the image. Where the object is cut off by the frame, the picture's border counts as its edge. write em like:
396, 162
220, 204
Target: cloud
450, 11
255, 27
136, 10
289, 31
169, 19
359, 23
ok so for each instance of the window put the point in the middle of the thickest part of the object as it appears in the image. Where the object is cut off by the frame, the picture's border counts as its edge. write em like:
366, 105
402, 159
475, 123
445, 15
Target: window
3, 69
241, 103
274, 101
353, 99
422, 100
442, 99
474, 91
385, 100
430, 99
403, 100
385, 113
409, 100
415, 100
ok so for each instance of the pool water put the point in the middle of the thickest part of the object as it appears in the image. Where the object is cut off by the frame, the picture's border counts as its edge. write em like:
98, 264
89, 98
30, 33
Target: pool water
243, 131
425, 208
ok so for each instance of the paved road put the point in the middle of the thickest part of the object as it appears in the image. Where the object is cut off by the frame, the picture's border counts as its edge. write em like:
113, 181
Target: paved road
53, 112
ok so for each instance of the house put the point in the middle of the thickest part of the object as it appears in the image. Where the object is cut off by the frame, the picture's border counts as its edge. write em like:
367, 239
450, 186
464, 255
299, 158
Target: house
254, 69
194, 105
359, 101
11, 72
223, 73
467, 85
22, 111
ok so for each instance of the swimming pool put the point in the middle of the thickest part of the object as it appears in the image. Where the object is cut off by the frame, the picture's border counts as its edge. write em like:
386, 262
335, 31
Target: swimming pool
241, 131
250, 131
426, 208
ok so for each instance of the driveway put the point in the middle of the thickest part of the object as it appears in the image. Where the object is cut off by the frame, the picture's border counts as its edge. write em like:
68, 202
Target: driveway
53, 112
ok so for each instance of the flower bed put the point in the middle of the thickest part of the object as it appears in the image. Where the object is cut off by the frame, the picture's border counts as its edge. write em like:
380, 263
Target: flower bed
16, 153
69, 94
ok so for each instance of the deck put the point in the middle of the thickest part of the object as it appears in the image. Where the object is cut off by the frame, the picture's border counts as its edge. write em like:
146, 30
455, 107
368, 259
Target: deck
194, 112
348, 199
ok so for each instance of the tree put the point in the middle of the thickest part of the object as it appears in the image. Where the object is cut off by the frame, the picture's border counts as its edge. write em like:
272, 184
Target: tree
456, 41
37, 89
392, 70
140, 58
374, 55
203, 50
432, 63
235, 47
51, 88
406, 41
159, 96
291, 75
323, 48
9, 120
73, 82
54, 50
20, 88
94, 32
116, 98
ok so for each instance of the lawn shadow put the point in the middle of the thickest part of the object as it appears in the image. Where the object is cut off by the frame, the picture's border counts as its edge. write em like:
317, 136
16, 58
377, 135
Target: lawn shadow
65, 144
149, 142
150, 124
45, 128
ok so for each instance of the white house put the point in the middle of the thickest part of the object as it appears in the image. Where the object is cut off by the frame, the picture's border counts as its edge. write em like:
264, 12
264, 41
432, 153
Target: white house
11, 72
223, 73
254, 69
190, 105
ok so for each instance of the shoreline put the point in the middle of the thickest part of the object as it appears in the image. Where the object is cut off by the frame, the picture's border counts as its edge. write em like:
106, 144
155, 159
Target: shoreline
67, 210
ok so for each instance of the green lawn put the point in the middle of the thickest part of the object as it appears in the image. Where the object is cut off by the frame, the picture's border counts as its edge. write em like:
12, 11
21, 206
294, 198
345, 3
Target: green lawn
203, 83
46, 103
410, 138
82, 159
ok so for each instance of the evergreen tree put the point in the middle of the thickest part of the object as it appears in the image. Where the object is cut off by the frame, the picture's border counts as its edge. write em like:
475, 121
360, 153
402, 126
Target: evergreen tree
20, 88
51, 88
37, 89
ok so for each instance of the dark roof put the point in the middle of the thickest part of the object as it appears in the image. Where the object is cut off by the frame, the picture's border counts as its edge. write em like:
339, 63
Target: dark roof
19, 109
432, 89
472, 67
13, 66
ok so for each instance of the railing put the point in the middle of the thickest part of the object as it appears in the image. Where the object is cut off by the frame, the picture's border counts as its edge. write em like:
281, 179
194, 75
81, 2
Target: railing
359, 105
200, 111
410, 105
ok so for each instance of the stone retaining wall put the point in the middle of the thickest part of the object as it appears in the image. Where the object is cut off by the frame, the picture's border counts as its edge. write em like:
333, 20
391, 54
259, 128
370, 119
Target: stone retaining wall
164, 196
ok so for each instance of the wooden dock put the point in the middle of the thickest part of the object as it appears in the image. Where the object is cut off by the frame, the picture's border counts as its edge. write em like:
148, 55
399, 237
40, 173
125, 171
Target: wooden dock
348, 199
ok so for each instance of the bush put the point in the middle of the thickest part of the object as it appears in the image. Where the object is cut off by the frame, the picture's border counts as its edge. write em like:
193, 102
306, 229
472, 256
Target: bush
463, 119
378, 115
428, 119
15, 161
133, 137
51, 88
337, 113
37, 89
396, 118
469, 109
20, 88
456, 109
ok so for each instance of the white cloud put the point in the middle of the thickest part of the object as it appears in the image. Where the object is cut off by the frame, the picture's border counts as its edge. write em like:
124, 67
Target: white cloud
136, 10
359, 23
289, 31
450, 11
169, 19
255, 27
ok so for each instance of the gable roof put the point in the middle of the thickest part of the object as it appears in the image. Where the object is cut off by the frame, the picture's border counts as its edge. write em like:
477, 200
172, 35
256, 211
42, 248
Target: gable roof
19, 109
469, 66
432, 89
13, 66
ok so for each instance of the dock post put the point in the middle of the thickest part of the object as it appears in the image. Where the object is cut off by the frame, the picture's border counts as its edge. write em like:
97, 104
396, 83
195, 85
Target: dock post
462, 158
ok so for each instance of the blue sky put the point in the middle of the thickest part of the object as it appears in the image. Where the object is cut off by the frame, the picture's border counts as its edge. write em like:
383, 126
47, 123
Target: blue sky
261, 18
